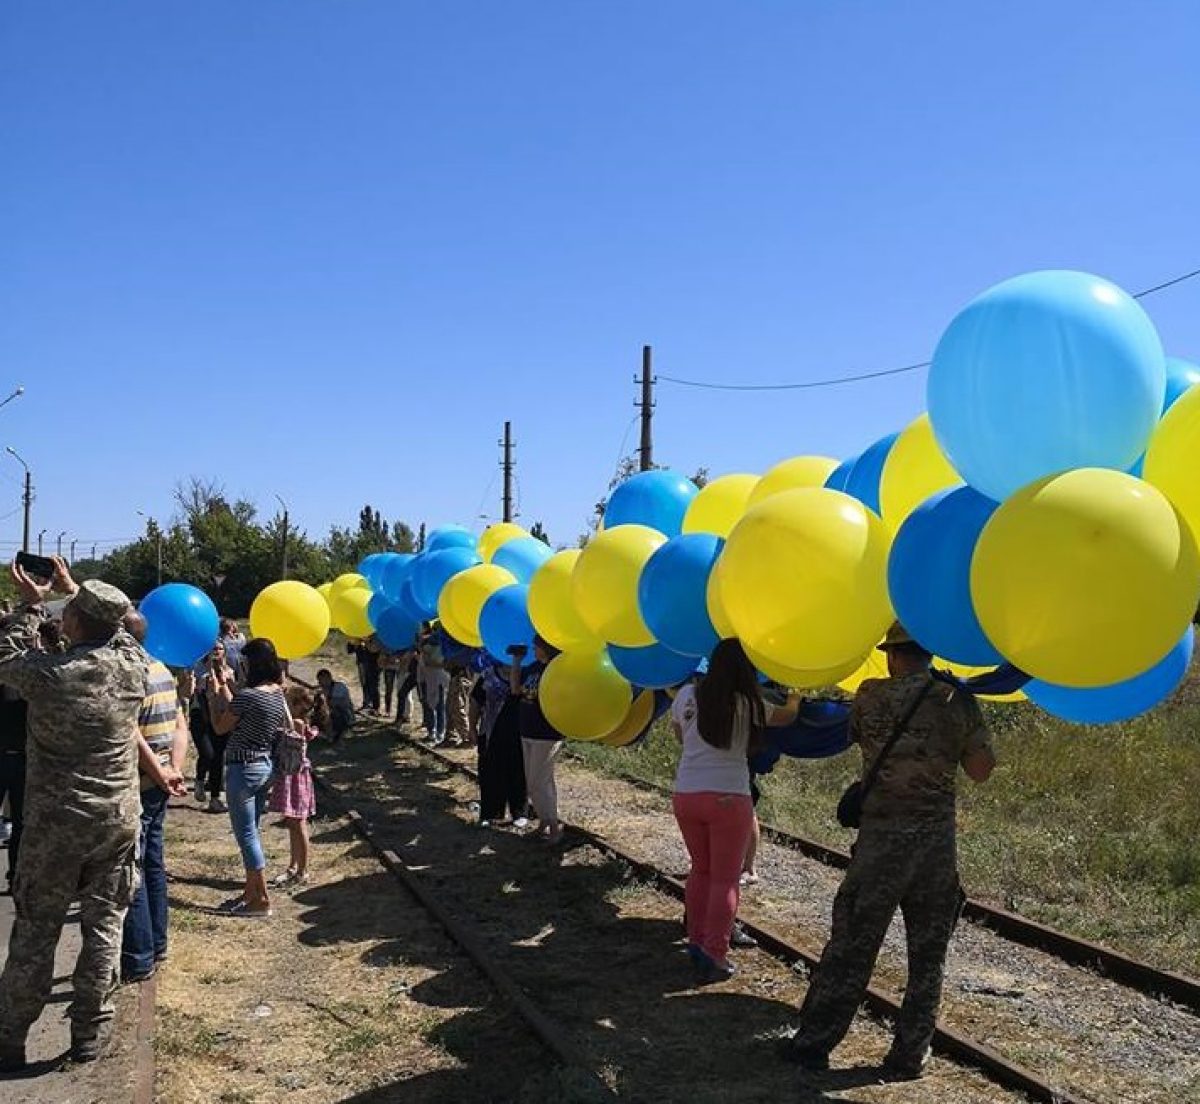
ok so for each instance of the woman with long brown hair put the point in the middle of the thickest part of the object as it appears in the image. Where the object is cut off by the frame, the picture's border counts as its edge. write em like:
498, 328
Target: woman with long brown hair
714, 720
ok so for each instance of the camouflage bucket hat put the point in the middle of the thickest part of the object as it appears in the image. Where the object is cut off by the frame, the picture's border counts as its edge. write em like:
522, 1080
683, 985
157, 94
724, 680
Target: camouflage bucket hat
102, 602
896, 636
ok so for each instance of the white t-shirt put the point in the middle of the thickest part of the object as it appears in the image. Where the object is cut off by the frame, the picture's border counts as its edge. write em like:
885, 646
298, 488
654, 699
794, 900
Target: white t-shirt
702, 767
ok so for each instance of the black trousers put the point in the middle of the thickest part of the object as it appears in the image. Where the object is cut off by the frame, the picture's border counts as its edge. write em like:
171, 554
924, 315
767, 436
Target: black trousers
409, 685
210, 756
12, 786
502, 769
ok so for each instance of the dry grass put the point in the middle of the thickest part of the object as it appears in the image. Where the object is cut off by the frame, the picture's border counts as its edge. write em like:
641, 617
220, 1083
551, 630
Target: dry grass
349, 993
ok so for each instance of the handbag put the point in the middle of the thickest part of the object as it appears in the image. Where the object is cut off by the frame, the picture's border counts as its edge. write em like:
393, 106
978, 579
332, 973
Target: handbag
287, 753
850, 807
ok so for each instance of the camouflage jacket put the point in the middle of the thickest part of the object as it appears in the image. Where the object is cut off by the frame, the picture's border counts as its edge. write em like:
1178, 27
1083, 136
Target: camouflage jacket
917, 781
82, 725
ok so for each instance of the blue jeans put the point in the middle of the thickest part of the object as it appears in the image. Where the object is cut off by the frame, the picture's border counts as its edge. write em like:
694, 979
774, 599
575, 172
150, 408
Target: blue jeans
246, 786
433, 704
145, 935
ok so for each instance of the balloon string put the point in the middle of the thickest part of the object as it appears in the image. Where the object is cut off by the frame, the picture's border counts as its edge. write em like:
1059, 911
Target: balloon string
836, 380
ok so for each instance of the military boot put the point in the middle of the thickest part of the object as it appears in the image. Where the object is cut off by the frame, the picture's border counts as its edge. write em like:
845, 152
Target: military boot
91, 1047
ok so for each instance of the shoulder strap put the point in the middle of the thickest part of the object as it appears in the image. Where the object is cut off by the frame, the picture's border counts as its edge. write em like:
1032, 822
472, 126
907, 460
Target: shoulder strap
873, 773
291, 725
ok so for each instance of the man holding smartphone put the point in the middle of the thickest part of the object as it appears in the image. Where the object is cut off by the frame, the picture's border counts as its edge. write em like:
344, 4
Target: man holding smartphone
82, 804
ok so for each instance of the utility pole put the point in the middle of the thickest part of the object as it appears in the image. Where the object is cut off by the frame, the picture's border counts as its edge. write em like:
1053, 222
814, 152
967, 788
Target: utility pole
41, 537
27, 497
93, 552
58, 552
507, 465
73, 544
646, 451
283, 539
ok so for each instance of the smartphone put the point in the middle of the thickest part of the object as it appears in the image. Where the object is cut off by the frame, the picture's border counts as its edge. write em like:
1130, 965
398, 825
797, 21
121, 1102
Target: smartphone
38, 567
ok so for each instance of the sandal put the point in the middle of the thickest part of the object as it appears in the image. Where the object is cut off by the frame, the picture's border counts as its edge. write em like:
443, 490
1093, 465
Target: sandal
243, 911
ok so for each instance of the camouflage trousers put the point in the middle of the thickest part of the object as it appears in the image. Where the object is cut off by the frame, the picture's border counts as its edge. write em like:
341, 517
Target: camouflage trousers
914, 868
57, 866
457, 701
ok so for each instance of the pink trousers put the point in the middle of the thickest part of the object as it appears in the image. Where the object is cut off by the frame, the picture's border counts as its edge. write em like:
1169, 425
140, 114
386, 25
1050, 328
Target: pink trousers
716, 829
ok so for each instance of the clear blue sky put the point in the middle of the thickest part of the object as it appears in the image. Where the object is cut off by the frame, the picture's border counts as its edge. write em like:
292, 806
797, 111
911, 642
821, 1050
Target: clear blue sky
323, 248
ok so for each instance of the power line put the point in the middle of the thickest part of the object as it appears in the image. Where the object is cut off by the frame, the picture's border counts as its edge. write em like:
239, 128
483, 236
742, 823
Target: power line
834, 381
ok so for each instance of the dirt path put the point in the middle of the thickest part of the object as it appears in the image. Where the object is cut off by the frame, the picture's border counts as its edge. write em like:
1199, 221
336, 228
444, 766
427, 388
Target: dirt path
350, 993
599, 952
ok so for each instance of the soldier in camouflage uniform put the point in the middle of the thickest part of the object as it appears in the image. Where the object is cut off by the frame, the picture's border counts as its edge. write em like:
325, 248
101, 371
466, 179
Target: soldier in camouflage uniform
82, 806
905, 856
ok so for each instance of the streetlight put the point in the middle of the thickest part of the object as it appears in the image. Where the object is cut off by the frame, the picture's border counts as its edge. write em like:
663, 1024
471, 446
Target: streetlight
27, 498
60, 537
15, 395
158, 532
41, 535
284, 538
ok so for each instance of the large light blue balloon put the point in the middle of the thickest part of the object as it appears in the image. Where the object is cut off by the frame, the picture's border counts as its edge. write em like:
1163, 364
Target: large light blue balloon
433, 570
371, 568
1120, 702
181, 623
672, 593
394, 573
376, 608
655, 667
406, 600
865, 475
658, 499
1181, 374
1044, 373
395, 629
840, 476
449, 536
504, 623
929, 576
522, 556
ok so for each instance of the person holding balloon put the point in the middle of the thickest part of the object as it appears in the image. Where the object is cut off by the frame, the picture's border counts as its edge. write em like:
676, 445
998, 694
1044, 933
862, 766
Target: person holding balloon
713, 720
540, 742
292, 795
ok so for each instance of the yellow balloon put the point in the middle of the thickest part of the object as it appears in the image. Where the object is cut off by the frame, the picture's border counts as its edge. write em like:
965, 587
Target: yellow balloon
350, 581
964, 671
604, 584
798, 678
873, 666
293, 616
462, 598
915, 468
789, 475
1085, 578
325, 590
804, 579
640, 714
349, 612
1173, 458
716, 604
551, 608
582, 694
495, 537
719, 505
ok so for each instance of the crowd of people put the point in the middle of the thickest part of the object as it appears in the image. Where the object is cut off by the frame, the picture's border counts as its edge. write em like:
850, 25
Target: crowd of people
94, 737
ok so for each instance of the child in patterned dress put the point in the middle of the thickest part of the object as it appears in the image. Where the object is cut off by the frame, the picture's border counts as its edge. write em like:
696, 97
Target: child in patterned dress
292, 795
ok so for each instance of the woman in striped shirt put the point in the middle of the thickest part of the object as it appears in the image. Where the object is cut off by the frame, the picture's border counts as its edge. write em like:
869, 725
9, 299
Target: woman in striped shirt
253, 716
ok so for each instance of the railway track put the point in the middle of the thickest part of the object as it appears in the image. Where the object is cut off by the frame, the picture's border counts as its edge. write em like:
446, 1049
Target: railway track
1113, 964
947, 1041
544, 1030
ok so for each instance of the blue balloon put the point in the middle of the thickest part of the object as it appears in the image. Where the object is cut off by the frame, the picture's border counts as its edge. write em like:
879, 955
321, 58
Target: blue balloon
376, 608
867, 472
929, 576
1044, 373
522, 556
395, 571
1121, 701
504, 623
1181, 374
434, 570
840, 476
395, 629
181, 623
672, 593
406, 600
450, 536
371, 568
658, 499
655, 667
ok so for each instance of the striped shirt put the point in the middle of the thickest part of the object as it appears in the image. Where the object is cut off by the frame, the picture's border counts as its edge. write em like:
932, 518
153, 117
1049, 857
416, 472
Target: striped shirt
159, 712
261, 714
